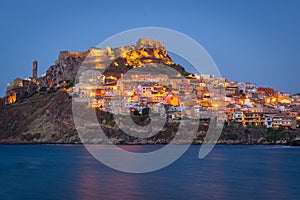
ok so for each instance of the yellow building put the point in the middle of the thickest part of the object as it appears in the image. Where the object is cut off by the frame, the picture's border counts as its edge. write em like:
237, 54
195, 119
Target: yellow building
253, 118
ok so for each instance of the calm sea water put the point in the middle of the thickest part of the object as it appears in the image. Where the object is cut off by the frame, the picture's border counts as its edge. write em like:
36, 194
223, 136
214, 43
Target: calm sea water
229, 172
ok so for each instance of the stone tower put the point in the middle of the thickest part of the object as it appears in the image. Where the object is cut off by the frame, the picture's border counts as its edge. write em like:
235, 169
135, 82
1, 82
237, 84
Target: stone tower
34, 69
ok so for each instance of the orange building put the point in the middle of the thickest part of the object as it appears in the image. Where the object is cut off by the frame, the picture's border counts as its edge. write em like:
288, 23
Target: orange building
173, 100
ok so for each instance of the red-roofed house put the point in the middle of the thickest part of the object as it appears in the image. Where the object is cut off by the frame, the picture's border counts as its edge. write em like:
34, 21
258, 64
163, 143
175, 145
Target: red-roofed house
266, 91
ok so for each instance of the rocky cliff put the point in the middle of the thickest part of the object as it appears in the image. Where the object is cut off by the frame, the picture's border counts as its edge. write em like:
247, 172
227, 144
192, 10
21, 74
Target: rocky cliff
110, 61
65, 68
43, 118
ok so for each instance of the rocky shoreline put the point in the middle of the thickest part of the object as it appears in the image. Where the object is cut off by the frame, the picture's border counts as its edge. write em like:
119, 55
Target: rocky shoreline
47, 119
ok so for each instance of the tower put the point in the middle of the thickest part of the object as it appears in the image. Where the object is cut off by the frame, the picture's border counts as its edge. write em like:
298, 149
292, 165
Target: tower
34, 69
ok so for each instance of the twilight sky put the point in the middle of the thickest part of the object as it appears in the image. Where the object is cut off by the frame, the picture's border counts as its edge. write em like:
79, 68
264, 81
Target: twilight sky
256, 41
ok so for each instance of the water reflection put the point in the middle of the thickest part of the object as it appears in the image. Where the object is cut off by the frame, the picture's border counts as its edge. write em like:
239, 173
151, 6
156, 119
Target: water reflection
130, 148
94, 182
229, 172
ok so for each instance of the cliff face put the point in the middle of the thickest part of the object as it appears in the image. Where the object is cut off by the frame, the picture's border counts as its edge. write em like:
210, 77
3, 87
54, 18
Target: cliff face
66, 67
45, 118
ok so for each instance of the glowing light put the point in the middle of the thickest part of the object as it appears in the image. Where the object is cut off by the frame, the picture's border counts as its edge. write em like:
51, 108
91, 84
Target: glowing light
145, 53
112, 77
173, 100
216, 105
156, 53
130, 93
12, 98
51, 82
92, 94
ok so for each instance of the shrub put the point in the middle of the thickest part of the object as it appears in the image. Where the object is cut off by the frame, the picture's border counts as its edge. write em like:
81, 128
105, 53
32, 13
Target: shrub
233, 137
43, 89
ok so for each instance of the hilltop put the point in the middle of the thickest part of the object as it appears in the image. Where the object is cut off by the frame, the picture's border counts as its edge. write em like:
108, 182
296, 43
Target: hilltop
108, 61
39, 109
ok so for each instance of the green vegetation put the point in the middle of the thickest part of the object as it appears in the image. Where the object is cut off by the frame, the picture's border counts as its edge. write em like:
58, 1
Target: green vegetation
259, 127
109, 118
140, 118
146, 111
247, 131
70, 84
52, 90
233, 136
31, 94
43, 89
274, 135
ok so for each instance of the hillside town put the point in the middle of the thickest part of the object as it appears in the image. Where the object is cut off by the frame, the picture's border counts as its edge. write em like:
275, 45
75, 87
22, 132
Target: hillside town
244, 102
176, 96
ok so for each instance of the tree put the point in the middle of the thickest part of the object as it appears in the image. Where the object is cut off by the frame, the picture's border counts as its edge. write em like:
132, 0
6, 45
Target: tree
43, 89
145, 111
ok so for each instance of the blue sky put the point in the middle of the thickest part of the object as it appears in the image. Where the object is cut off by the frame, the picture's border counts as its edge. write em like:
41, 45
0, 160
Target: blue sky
255, 41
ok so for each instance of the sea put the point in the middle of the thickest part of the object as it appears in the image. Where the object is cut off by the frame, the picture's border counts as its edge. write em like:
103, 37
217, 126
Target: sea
40, 172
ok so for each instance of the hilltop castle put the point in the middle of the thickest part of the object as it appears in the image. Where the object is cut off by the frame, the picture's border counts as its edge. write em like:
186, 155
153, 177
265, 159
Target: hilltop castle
115, 61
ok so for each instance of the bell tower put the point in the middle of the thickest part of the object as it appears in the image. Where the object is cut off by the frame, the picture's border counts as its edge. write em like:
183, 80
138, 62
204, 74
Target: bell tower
34, 69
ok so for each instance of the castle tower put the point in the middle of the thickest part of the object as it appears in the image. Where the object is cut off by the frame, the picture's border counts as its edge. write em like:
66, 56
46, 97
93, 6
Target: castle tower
34, 69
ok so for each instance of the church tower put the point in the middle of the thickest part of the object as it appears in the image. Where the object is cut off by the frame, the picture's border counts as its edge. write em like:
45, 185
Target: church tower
34, 69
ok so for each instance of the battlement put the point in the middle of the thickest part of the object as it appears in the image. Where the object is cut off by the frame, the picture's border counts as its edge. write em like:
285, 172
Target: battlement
148, 43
